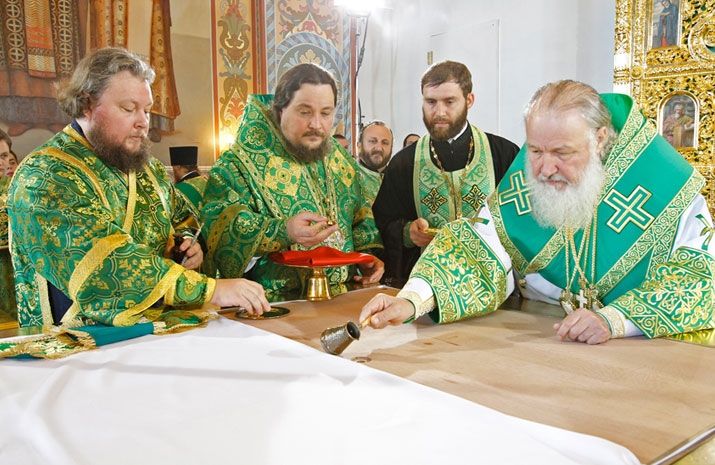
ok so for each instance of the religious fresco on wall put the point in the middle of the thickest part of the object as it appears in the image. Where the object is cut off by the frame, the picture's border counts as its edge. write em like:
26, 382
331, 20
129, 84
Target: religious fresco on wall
670, 73
256, 41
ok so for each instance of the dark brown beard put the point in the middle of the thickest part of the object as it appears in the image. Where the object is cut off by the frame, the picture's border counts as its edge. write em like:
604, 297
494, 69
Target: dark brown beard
307, 155
451, 131
367, 160
116, 155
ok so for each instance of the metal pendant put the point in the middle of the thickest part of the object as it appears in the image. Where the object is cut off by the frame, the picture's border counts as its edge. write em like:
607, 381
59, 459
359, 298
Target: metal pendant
566, 301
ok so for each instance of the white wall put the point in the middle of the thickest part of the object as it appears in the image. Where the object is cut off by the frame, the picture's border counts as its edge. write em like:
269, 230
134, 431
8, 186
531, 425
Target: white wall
512, 47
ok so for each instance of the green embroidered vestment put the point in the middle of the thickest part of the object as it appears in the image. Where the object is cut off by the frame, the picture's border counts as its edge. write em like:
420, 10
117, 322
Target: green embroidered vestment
632, 263
98, 235
254, 188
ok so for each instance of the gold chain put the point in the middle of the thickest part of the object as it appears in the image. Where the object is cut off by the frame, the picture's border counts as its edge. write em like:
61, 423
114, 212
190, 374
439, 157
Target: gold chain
571, 243
452, 188
587, 290
323, 188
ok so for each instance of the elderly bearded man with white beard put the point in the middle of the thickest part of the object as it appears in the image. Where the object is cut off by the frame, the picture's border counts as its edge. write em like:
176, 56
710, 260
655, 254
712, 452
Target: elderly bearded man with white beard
584, 218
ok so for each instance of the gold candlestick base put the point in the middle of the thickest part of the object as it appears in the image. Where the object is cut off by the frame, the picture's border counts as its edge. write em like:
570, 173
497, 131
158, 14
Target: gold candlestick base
318, 286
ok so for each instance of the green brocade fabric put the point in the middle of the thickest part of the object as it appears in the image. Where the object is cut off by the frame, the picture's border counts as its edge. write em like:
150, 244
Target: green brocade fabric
193, 190
637, 219
434, 200
98, 235
468, 278
371, 181
254, 188
58, 342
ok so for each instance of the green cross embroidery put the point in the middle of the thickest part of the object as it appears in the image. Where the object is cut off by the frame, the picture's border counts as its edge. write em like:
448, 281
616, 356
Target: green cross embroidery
629, 209
519, 193
475, 197
433, 200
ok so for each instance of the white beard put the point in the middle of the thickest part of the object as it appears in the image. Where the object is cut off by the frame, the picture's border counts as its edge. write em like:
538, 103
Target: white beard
572, 206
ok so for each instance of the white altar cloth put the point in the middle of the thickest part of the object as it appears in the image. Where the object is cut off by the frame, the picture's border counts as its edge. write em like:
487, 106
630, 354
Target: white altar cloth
231, 393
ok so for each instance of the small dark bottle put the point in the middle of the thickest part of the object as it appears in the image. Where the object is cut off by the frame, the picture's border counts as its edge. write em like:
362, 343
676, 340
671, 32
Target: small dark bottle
176, 254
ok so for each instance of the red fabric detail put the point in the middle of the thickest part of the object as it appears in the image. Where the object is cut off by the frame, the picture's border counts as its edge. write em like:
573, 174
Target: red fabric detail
322, 256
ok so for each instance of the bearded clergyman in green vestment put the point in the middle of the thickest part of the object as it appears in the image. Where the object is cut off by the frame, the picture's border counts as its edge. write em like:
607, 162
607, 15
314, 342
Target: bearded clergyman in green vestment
598, 214
443, 176
92, 217
374, 152
286, 184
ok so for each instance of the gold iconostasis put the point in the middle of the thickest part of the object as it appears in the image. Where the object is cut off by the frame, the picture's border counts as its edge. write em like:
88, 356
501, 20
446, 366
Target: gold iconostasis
664, 58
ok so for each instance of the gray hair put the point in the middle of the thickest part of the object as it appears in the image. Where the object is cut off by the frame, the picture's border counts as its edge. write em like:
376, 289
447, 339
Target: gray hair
567, 95
375, 122
93, 74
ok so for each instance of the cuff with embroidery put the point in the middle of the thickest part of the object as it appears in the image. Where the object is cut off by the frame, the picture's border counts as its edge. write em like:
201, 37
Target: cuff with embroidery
421, 306
406, 240
616, 321
210, 288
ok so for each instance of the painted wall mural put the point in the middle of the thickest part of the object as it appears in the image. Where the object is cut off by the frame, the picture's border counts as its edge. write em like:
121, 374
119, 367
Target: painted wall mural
233, 45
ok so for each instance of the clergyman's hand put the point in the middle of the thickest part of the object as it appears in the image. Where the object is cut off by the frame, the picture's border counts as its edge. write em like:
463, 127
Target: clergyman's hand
240, 292
387, 310
194, 254
370, 272
583, 325
309, 229
418, 236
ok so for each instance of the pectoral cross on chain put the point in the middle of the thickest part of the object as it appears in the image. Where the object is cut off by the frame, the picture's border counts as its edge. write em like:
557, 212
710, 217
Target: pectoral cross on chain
582, 299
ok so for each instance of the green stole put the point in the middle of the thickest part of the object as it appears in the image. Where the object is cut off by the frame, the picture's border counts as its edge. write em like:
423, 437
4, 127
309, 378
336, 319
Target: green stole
434, 200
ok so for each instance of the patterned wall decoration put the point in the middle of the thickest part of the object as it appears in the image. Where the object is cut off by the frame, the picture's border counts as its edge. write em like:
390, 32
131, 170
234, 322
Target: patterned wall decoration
255, 41
40, 43
234, 63
665, 59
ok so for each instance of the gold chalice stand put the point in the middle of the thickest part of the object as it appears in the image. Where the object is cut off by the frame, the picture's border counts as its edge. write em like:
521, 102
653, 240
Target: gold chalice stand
318, 285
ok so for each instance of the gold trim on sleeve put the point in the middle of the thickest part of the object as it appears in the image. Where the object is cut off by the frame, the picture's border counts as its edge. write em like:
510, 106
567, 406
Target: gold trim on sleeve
421, 306
210, 289
614, 318
130, 316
